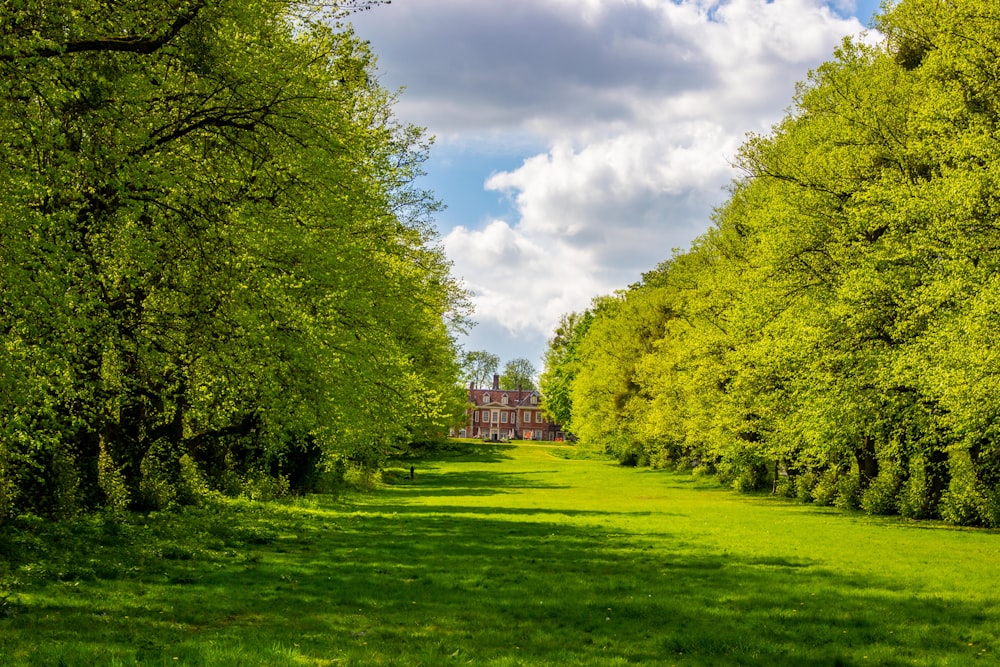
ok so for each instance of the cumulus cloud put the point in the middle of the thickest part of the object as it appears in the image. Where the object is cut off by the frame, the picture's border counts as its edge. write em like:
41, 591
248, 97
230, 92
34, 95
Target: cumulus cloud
518, 279
641, 106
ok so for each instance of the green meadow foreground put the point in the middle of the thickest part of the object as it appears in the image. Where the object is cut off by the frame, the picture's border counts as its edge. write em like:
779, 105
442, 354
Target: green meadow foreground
502, 555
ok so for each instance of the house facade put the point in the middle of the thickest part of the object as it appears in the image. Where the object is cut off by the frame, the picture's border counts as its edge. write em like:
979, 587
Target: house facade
507, 414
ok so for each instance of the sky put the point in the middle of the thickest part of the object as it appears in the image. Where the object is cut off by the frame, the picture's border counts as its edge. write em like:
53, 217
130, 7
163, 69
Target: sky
578, 143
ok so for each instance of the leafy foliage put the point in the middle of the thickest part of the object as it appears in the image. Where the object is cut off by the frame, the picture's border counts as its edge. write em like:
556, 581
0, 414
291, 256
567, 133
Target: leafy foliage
518, 373
479, 366
833, 333
212, 249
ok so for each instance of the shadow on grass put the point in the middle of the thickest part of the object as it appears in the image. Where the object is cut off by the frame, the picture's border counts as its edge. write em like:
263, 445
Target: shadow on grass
471, 453
420, 510
318, 585
468, 483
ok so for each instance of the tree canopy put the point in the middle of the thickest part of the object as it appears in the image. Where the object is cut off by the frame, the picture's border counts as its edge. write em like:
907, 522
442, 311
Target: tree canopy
214, 263
518, 373
479, 366
831, 336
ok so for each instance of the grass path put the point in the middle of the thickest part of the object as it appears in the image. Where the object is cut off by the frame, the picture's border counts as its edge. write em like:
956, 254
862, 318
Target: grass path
507, 555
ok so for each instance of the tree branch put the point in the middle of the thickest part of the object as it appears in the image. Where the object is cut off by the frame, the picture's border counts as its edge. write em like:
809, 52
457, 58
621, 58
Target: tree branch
140, 45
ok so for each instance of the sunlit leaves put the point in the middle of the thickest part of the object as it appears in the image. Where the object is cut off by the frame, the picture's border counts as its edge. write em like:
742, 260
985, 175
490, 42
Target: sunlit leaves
211, 232
839, 319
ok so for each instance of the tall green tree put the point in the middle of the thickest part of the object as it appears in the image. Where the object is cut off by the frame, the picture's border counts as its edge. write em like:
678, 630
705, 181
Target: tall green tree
211, 242
518, 373
606, 396
479, 367
561, 366
831, 334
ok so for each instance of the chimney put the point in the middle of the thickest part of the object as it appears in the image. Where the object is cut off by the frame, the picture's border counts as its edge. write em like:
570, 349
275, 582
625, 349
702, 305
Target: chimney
496, 382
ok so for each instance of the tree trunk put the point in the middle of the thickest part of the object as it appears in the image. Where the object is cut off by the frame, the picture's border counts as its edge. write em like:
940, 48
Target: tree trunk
867, 461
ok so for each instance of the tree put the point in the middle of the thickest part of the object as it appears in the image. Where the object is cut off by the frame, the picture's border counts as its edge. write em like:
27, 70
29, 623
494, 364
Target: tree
834, 331
212, 251
478, 367
562, 365
518, 374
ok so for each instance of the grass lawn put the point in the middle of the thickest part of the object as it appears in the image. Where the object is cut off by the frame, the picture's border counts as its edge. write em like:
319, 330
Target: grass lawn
502, 555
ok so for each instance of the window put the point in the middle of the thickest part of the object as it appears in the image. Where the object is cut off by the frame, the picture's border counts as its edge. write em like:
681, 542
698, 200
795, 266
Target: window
534, 399
538, 417
486, 415
477, 415
503, 399
496, 416
503, 417
486, 399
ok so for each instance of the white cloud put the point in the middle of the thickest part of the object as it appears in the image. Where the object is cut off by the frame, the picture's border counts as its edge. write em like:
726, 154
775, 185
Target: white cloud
517, 280
642, 105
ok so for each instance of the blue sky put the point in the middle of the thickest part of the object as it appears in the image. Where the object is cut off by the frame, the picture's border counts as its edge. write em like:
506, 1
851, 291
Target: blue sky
579, 142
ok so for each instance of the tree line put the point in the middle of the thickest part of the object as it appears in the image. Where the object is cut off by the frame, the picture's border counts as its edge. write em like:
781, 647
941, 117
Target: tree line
216, 271
833, 336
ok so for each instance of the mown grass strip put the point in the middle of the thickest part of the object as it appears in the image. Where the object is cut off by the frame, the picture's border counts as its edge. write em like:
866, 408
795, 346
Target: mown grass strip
502, 555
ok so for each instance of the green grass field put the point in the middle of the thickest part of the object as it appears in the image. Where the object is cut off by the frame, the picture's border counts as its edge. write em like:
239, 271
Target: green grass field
502, 555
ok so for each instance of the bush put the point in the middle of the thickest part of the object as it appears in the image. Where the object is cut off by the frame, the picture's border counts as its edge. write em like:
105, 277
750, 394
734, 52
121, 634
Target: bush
964, 503
804, 485
662, 458
38, 475
253, 485
744, 474
913, 500
156, 492
112, 483
362, 477
8, 491
261, 486
169, 480
848, 491
751, 479
158, 485
960, 505
704, 470
991, 508
785, 487
298, 461
967, 502
825, 490
193, 488
880, 498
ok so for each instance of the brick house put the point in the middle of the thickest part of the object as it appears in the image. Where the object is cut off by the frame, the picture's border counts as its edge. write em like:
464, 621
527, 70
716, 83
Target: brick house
507, 414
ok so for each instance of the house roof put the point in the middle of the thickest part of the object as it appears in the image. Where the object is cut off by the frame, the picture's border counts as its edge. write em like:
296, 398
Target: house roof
515, 397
